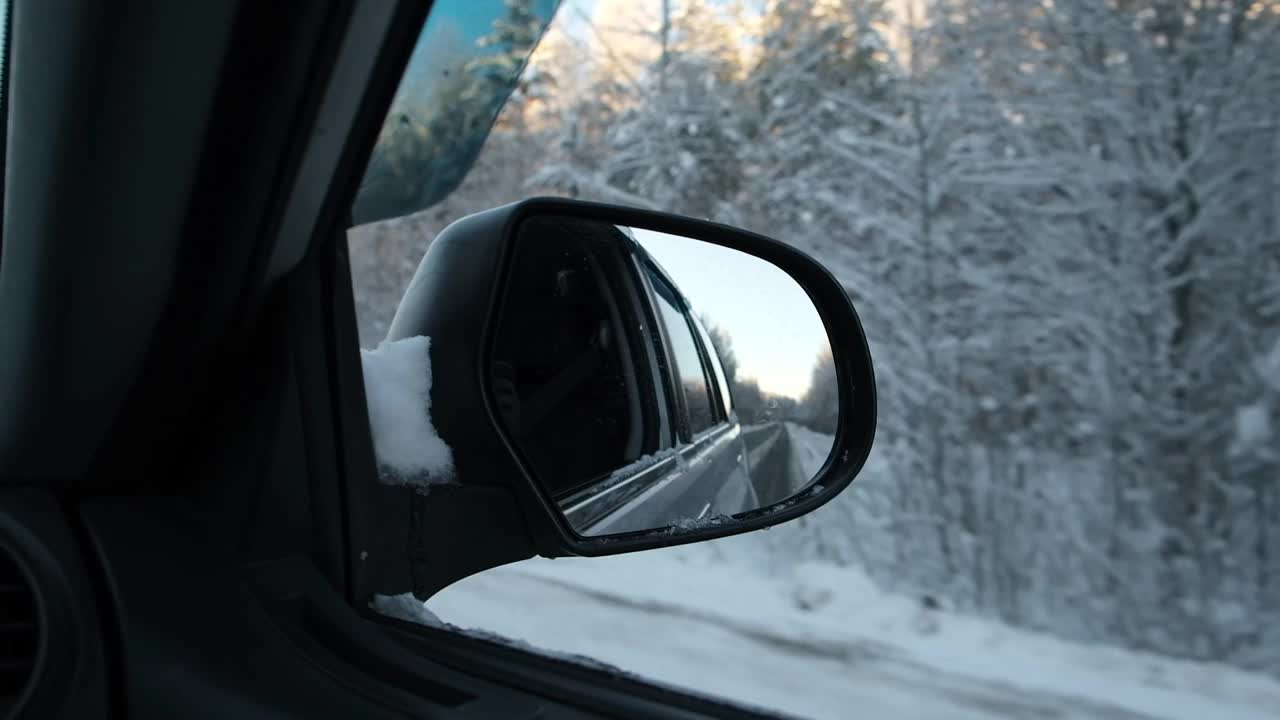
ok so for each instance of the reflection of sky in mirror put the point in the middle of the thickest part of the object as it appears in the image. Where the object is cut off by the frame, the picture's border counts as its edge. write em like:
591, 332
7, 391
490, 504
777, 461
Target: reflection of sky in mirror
776, 331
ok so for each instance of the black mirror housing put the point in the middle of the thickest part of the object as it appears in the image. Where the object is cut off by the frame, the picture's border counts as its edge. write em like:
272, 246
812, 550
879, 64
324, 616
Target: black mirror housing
456, 298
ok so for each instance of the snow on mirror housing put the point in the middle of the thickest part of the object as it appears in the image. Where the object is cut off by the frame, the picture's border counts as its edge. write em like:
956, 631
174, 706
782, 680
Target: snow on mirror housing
644, 379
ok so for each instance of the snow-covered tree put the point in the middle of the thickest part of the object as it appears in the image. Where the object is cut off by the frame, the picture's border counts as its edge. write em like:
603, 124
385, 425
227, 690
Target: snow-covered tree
1060, 224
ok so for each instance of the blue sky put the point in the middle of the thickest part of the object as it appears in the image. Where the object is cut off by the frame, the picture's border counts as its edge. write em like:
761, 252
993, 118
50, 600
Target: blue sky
776, 331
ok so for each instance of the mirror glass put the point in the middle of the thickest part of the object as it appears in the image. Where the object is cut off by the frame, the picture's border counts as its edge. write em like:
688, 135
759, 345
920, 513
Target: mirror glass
654, 381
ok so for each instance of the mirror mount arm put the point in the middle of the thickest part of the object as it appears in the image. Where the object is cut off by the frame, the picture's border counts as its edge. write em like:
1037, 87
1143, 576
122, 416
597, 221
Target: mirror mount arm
480, 527
426, 542
430, 541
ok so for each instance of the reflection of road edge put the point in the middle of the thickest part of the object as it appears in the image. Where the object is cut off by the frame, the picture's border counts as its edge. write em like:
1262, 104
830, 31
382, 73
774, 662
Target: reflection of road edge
870, 656
755, 454
776, 472
800, 478
687, 459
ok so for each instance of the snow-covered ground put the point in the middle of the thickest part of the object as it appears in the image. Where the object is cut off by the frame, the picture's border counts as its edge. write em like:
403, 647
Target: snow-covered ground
825, 643
810, 448
821, 641
813, 640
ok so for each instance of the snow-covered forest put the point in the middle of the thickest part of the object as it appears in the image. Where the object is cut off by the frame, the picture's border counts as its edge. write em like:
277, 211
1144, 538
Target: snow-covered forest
1060, 224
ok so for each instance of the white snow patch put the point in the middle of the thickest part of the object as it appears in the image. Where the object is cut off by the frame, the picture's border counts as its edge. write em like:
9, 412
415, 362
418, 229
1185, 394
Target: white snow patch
1253, 427
408, 608
710, 521
645, 461
405, 607
397, 382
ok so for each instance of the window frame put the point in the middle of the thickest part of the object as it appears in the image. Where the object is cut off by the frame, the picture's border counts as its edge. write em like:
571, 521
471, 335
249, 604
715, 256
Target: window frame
661, 343
721, 391
657, 362
682, 308
620, 286
713, 397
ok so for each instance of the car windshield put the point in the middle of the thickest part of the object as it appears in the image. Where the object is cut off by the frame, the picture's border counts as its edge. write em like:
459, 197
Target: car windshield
1059, 221
465, 65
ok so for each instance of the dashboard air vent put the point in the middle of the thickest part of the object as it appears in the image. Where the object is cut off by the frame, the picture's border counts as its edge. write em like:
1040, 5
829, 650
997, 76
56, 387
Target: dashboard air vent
19, 631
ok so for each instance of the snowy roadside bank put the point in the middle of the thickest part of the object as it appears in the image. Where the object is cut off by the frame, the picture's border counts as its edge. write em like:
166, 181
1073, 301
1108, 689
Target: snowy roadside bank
826, 640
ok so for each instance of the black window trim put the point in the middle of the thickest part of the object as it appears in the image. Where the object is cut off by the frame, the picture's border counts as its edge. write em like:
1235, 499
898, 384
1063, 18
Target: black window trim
614, 278
713, 401
638, 294
675, 394
710, 363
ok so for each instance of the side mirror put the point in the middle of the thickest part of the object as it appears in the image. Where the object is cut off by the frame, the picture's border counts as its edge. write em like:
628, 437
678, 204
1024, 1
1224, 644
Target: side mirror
638, 379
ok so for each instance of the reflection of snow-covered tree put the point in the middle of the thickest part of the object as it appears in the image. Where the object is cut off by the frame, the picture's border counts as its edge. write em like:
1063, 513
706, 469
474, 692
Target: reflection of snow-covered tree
820, 407
750, 403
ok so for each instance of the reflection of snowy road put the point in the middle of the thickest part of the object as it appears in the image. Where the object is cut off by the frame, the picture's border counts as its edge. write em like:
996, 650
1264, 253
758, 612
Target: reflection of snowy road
783, 458
854, 653
809, 448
